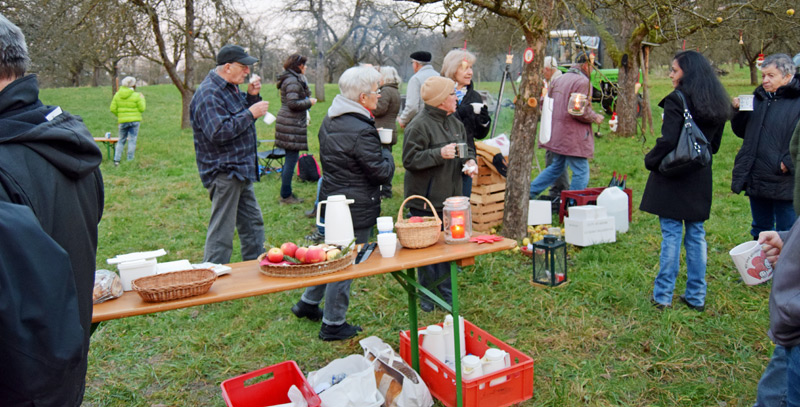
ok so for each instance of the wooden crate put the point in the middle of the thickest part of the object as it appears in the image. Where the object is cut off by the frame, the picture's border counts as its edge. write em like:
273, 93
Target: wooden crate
488, 198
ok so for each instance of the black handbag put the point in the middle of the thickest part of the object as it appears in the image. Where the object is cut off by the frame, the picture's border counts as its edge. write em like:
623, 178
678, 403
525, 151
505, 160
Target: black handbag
692, 152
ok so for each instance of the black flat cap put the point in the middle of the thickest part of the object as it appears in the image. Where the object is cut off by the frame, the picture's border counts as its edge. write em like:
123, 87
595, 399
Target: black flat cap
582, 57
234, 53
421, 56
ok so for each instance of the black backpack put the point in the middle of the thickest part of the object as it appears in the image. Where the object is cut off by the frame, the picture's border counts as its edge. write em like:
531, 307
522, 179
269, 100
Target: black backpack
307, 168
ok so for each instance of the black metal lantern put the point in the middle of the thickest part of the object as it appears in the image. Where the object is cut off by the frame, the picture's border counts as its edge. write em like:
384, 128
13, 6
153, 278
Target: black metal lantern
549, 261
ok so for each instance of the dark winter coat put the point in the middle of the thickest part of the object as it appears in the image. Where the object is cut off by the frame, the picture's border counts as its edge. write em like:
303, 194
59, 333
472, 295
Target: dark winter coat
686, 197
290, 128
794, 150
388, 109
477, 126
766, 132
427, 173
353, 161
784, 299
50, 164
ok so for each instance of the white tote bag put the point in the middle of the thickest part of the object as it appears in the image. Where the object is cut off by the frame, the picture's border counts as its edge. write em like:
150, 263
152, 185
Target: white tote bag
546, 124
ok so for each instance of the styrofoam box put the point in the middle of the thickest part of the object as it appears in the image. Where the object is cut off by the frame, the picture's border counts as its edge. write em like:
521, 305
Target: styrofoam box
586, 212
131, 270
540, 212
586, 232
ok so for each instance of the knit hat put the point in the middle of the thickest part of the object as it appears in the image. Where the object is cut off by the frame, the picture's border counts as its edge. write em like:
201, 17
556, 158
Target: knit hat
436, 89
422, 56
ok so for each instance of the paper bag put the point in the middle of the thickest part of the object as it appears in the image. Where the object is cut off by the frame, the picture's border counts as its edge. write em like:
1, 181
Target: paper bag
400, 385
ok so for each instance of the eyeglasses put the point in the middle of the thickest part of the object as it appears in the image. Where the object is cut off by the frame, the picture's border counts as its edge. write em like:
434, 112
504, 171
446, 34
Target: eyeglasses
241, 65
377, 92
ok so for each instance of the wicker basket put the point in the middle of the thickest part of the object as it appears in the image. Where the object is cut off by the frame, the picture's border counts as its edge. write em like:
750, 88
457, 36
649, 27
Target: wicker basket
307, 270
174, 285
420, 234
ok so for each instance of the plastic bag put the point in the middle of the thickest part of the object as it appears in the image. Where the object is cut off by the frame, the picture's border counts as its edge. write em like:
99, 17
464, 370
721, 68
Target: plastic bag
400, 385
107, 285
347, 382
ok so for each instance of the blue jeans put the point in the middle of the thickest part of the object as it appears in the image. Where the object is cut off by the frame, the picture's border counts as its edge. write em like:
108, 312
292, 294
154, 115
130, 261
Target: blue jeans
580, 174
233, 206
127, 131
289, 161
336, 294
770, 214
793, 376
695, 244
773, 384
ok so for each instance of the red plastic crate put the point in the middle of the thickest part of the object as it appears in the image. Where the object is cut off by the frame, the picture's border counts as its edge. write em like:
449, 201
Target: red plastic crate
268, 387
477, 392
589, 196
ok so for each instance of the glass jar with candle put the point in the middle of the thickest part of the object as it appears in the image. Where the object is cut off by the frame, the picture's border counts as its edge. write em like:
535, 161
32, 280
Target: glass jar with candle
577, 104
457, 220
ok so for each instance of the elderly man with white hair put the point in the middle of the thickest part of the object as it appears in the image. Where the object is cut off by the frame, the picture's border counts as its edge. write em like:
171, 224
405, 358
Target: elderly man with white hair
551, 73
51, 200
355, 166
128, 105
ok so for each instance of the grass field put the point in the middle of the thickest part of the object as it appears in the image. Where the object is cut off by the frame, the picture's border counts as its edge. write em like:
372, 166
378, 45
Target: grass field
596, 341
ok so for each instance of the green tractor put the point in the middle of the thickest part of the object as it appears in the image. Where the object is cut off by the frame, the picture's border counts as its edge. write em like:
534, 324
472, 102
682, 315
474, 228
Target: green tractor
564, 46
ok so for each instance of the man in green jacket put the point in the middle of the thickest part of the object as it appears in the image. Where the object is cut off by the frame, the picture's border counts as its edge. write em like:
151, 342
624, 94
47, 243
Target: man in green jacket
128, 105
434, 165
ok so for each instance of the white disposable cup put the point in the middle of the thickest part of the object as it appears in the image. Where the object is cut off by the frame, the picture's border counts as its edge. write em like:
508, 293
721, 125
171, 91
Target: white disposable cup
746, 103
433, 341
752, 263
269, 118
387, 243
385, 224
386, 135
476, 107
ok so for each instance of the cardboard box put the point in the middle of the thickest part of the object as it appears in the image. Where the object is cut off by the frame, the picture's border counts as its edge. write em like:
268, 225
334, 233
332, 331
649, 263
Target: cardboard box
586, 232
587, 212
540, 212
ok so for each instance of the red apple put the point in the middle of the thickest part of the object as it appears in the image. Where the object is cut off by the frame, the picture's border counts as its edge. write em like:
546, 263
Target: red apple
275, 255
289, 249
415, 219
300, 254
315, 255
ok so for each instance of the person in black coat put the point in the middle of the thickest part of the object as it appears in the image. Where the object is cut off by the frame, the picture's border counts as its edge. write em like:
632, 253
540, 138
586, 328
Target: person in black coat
290, 128
763, 167
685, 201
457, 65
355, 166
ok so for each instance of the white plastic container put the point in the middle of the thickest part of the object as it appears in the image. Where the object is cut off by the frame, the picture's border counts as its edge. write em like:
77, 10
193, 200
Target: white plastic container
131, 270
615, 200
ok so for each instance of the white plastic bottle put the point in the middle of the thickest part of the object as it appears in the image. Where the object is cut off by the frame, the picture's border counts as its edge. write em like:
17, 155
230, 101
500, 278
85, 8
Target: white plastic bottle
616, 203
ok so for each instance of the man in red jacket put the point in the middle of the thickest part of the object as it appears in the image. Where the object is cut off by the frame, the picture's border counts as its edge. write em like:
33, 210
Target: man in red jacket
572, 141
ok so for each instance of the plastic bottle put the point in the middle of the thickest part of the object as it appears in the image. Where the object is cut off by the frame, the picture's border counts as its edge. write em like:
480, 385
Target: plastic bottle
616, 203
449, 345
108, 134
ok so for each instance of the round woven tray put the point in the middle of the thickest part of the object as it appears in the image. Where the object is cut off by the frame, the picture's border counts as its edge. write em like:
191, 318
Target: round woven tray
307, 270
420, 234
174, 285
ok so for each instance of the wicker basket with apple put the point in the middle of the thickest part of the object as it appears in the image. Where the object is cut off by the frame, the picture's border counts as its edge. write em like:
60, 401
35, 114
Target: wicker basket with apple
417, 232
292, 261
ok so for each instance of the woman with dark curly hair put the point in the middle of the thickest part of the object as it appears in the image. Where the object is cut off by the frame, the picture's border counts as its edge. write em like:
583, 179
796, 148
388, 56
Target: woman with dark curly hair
290, 129
684, 201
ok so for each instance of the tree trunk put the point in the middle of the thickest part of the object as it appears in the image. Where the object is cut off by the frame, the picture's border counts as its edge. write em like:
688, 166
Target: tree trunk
96, 75
627, 101
523, 137
319, 80
753, 72
187, 91
114, 77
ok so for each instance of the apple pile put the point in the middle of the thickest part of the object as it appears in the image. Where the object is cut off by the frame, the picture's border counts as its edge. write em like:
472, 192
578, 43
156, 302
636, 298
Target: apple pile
289, 253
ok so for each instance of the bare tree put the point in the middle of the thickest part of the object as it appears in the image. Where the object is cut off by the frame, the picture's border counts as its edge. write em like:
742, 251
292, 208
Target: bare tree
532, 18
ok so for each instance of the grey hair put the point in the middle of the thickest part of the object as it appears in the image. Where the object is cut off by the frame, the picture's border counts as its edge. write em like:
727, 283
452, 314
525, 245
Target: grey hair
128, 81
390, 75
358, 80
782, 62
453, 60
14, 60
550, 62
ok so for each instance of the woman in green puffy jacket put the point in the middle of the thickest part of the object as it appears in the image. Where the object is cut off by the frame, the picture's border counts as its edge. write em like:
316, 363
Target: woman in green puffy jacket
128, 106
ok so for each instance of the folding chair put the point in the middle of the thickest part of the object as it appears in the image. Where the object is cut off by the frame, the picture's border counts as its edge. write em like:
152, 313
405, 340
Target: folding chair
270, 160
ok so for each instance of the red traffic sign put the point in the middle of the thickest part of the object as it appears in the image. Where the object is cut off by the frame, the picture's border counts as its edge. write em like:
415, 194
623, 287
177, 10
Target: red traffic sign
528, 55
